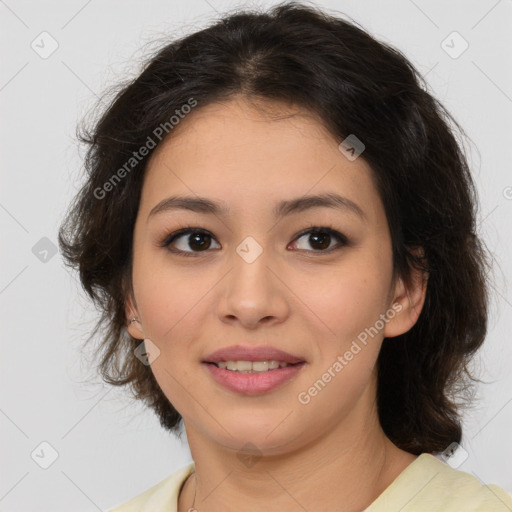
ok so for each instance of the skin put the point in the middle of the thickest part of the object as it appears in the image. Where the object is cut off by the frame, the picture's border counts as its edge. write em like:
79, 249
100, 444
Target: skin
307, 302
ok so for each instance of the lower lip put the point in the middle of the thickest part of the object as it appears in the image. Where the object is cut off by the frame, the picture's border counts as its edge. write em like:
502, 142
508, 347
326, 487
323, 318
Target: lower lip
253, 383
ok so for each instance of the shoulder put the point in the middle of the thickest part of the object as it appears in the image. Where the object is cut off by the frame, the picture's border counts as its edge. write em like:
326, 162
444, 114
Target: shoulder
429, 484
159, 498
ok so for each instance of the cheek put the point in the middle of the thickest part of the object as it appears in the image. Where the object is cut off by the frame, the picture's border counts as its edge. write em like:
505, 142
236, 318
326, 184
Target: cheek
349, 304
163, 291
173, 301
168, 306
348, 299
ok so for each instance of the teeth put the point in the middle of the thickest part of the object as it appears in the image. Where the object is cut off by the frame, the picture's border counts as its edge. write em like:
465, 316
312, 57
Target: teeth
251, 366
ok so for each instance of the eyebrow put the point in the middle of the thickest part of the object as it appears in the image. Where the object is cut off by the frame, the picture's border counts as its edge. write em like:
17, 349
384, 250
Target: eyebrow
207, 206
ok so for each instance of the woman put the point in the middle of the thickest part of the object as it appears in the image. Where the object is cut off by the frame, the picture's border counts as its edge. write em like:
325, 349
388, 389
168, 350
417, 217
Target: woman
279, 226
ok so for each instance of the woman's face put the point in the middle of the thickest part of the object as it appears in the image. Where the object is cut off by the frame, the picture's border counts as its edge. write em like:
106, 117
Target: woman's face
250, 278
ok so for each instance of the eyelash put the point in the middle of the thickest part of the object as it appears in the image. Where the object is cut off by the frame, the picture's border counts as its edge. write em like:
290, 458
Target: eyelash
329, 230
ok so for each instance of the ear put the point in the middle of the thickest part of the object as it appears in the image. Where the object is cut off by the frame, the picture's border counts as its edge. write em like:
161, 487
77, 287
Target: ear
131, 311
407, 301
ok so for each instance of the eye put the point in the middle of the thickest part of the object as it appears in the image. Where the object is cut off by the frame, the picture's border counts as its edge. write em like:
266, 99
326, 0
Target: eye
320, 239
190, 241
197, 239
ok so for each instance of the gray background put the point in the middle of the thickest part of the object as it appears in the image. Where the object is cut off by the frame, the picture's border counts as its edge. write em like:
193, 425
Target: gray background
108, 448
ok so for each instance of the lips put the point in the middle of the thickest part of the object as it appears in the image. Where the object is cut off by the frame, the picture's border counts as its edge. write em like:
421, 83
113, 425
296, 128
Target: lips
244, 353
254, 384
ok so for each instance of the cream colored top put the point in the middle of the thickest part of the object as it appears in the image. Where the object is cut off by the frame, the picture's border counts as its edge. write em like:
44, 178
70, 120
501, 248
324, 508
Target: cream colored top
426, 485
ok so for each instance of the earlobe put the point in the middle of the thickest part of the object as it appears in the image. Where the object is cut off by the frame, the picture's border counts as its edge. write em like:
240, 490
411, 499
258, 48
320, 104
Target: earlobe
134, 328
410, 299
133, 325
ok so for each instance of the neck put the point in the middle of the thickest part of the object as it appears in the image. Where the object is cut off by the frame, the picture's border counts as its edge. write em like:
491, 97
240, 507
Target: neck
350, 464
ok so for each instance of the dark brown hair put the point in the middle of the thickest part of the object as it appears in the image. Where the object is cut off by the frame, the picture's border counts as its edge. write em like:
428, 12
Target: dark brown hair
298, 54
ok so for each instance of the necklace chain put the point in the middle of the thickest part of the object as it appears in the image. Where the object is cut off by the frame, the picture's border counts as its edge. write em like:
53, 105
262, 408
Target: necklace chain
192, 509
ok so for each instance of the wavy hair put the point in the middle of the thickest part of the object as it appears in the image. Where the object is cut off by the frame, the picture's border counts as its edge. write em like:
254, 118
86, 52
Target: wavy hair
298, 54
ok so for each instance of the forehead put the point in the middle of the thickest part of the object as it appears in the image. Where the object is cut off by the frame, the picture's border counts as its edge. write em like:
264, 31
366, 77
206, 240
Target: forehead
247, 129
253, 158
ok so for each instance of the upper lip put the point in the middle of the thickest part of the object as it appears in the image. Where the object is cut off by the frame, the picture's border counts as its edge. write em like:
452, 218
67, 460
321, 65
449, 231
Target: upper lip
244, 353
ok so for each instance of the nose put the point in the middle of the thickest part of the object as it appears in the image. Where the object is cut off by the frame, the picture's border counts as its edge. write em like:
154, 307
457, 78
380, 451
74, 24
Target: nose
252, 293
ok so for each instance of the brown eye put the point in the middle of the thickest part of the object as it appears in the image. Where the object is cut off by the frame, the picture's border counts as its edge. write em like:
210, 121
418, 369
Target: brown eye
320, 239
188, 241
193, 241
